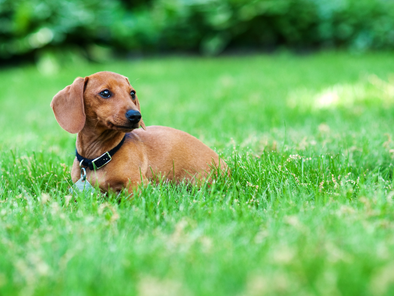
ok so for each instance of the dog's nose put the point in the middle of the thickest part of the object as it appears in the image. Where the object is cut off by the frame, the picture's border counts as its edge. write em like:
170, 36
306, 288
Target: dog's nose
133, 115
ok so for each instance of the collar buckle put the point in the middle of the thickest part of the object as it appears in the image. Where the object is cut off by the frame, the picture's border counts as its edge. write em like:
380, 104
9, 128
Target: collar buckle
101, 161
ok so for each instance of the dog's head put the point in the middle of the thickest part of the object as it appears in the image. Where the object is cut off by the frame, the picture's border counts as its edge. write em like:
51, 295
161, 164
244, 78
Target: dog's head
105, 99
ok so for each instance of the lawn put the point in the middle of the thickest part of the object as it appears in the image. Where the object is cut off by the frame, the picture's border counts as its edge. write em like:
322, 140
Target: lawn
308, 209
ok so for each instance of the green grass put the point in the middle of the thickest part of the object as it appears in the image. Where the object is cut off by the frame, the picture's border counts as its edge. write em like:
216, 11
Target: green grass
308, 209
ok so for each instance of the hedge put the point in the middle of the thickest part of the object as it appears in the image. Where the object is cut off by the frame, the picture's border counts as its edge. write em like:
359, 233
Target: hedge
206, 26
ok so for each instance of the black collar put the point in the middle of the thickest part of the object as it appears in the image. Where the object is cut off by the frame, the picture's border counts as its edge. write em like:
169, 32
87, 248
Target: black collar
99, 162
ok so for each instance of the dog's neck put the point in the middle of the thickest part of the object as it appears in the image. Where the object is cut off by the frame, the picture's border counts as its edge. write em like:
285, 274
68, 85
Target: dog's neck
92, 143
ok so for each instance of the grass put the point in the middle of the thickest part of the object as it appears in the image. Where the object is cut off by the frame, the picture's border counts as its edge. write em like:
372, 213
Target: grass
308, 209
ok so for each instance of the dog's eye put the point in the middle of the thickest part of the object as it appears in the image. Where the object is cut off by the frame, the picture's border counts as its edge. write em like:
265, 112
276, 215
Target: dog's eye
132, 94
105, 94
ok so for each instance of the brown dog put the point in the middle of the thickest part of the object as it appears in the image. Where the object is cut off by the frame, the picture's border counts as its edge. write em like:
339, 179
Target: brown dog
105, 112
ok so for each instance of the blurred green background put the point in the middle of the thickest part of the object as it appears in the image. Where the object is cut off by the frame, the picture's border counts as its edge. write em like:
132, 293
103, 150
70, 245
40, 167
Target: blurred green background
42, 30
305, 124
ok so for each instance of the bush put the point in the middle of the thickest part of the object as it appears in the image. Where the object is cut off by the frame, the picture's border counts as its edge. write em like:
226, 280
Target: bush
208, 26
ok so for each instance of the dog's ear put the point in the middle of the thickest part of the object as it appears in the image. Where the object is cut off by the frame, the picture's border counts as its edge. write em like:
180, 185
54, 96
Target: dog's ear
142, 124
137, 103
68, 106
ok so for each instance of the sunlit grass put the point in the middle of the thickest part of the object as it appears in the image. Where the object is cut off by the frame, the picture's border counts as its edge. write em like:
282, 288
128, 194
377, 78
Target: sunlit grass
308, 209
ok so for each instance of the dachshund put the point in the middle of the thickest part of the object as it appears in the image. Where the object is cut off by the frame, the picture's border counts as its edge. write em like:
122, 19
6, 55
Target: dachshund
104, 110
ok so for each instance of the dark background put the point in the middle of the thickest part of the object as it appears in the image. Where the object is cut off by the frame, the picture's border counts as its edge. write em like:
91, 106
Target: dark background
97, 29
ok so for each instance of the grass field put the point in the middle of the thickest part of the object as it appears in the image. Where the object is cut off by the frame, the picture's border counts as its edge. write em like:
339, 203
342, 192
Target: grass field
308, 209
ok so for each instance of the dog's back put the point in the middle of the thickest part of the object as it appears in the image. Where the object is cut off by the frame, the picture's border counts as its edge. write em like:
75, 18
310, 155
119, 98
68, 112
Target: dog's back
176, 155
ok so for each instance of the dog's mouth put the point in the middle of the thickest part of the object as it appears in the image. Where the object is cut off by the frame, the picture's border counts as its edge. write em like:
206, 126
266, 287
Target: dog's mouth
122, 127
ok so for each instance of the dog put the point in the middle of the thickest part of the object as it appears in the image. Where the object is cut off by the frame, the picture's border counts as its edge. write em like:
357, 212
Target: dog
104, 110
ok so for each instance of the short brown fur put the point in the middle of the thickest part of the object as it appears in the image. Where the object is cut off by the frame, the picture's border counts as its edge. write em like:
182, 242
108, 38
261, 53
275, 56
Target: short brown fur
148, 153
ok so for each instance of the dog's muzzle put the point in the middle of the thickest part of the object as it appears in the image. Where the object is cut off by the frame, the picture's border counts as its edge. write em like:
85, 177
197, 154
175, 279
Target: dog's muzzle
133, 116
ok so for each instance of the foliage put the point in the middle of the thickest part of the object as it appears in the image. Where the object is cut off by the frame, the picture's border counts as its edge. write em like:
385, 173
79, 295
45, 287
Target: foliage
208, 26
308, 209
